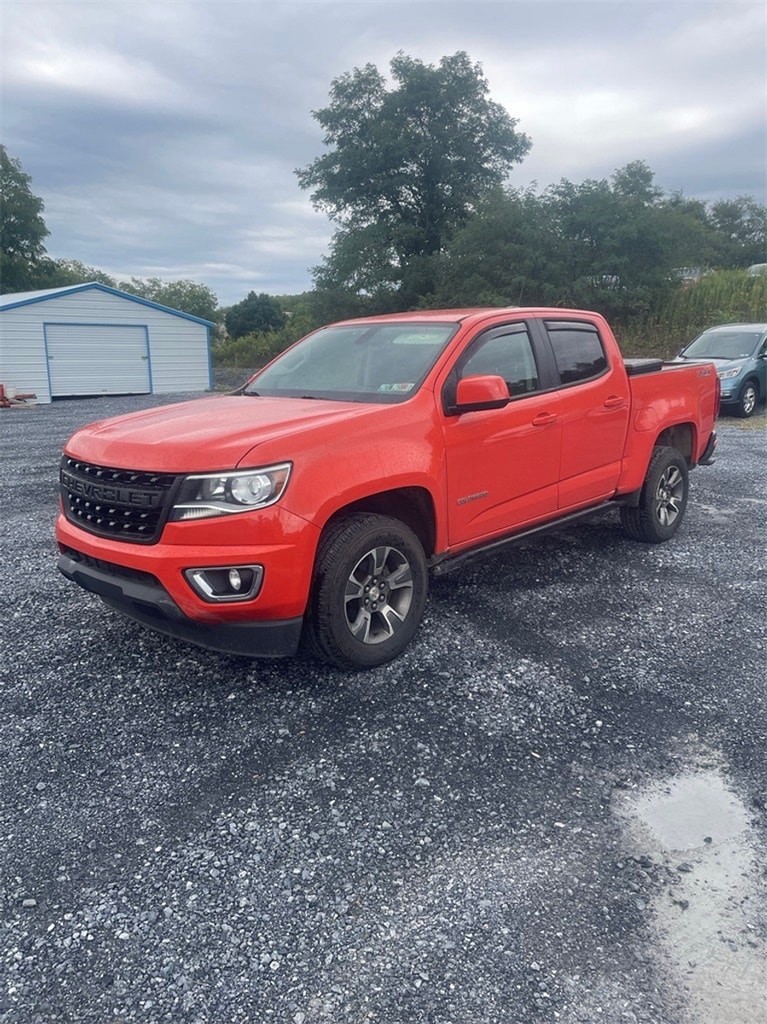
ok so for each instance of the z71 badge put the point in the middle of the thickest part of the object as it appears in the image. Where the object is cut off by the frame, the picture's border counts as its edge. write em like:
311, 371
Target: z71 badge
472, 497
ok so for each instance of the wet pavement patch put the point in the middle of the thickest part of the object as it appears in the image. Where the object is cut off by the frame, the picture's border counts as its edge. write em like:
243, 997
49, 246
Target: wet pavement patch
706, 918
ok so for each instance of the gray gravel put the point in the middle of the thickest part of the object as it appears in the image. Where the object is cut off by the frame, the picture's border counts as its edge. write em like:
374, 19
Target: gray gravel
194, 838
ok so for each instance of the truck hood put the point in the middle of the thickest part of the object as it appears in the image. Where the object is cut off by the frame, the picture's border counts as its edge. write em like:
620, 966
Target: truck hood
206, 434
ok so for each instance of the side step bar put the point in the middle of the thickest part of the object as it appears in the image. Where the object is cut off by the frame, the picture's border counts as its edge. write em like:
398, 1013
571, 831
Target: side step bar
440, 565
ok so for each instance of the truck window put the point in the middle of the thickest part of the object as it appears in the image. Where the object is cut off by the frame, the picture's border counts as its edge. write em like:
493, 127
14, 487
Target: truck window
357, 362
508, 354
578, 351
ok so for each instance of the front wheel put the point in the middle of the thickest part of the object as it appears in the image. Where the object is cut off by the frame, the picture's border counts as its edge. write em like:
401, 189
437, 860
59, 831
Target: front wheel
663, 500
749, 397
369, 592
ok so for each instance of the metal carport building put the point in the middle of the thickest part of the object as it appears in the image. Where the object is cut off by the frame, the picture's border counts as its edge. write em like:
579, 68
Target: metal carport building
88, 339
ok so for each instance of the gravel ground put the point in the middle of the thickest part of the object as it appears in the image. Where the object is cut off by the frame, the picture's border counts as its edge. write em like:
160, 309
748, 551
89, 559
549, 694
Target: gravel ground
187, 837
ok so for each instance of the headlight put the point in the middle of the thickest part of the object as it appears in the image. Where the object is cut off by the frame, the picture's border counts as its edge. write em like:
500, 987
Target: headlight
223, 494
727, 374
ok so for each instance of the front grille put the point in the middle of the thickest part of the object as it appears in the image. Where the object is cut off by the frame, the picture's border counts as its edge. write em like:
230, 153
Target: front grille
125, 504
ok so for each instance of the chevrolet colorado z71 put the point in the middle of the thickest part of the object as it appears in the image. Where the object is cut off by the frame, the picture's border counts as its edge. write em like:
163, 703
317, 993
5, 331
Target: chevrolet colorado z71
314, 502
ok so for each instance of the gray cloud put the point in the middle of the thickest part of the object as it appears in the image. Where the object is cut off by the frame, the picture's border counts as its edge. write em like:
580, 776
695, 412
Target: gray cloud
163, 137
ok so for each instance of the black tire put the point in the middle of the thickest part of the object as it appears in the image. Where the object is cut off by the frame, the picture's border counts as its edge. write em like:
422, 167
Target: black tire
369, 592
747, 400
663, 500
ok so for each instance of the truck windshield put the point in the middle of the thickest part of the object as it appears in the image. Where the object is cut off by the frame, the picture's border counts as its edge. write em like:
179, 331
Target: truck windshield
356, 362
723, 345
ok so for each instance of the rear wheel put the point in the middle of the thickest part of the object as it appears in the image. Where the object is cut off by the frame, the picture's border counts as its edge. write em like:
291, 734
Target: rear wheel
663, 500
369, 591
749, 397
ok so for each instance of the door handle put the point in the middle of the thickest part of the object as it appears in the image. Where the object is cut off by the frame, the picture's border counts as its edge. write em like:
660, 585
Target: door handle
614, 401
543, 419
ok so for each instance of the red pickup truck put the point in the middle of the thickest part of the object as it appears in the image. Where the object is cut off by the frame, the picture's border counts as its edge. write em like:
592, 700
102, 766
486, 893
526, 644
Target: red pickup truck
313, 504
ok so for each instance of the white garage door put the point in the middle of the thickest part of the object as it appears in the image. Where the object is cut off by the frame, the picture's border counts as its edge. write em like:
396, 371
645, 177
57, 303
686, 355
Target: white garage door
97, 359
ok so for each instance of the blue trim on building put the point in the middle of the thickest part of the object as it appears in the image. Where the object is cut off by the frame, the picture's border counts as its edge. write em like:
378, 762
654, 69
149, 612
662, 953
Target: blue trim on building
54, 293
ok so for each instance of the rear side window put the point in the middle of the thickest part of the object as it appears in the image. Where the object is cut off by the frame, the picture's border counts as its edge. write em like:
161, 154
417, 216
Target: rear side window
578, 351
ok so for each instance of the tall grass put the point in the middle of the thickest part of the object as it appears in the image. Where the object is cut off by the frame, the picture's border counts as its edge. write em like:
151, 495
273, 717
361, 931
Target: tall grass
726, 296
256, 349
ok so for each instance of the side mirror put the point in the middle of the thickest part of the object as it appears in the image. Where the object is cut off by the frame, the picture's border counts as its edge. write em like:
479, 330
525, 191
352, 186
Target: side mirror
474, 394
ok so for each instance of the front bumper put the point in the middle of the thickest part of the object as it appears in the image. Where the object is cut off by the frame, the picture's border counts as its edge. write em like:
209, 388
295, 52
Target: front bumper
149, 582
142, 597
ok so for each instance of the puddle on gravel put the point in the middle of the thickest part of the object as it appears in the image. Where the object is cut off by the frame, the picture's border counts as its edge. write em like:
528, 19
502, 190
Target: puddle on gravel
707, 918
692, 811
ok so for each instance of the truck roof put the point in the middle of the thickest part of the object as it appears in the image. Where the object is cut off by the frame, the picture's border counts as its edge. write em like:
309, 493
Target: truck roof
460, 314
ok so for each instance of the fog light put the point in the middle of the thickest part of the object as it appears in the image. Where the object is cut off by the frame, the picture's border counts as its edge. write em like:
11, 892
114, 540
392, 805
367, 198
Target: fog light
226, 583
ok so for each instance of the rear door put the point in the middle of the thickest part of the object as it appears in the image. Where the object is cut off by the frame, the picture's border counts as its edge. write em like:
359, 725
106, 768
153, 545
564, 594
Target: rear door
502, 464
595, 409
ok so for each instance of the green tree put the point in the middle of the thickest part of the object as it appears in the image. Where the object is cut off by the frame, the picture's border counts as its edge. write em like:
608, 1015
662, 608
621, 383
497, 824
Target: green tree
507, 254
360, 274
619, 241
741, 229
60, 272
636, 181
688, 222
256, 313
22, 228
616, 245
186, 296
405, 168
253, 350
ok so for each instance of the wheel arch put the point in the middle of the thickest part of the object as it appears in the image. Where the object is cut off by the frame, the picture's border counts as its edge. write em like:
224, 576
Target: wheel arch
751, 379
682, 436
413, 506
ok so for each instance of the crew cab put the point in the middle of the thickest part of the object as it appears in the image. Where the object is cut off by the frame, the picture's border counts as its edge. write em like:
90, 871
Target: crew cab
312, 505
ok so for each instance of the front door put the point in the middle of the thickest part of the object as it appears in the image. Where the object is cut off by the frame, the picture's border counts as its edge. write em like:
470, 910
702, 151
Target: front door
502, 464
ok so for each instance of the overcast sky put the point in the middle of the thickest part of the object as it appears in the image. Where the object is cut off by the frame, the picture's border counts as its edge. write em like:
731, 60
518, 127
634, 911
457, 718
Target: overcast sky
163, 136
